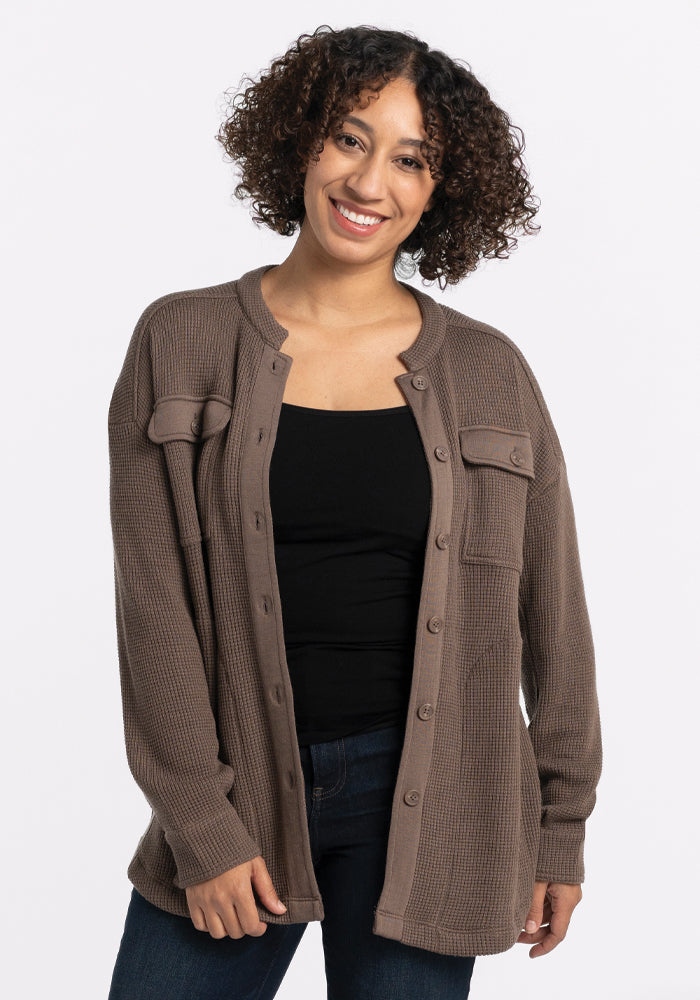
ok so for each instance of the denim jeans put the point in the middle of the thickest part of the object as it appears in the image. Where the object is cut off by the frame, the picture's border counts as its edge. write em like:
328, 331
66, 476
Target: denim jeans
349, 785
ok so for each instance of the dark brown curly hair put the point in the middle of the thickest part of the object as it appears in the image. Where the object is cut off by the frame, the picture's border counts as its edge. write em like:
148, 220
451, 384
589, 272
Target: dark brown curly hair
277, 124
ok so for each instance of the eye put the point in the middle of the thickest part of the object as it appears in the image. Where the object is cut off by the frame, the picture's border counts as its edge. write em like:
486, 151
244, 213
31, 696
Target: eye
345, 135
342, 136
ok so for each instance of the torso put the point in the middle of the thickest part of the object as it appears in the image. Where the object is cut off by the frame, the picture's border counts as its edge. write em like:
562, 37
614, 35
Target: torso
348, 370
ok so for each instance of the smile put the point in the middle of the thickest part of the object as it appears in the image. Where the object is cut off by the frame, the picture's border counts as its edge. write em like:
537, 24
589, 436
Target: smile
356, 220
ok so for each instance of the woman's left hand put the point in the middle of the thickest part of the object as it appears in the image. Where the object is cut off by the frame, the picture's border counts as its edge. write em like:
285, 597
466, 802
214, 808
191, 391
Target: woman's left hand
552, 905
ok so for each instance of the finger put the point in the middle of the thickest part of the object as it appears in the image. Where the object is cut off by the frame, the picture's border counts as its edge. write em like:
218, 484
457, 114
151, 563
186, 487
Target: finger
198, 918
531, 937
229, 918
246, 910
534, 916
214, 924
559, 924
265, 889
545, 945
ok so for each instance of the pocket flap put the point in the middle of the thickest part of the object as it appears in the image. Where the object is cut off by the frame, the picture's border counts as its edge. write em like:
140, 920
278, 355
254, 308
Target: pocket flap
188, 418
485, 444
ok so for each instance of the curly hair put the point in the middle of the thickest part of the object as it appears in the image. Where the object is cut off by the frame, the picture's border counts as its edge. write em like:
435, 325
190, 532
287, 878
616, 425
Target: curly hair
482, 196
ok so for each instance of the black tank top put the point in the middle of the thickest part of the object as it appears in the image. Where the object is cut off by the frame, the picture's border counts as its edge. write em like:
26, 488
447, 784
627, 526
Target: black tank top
350, 501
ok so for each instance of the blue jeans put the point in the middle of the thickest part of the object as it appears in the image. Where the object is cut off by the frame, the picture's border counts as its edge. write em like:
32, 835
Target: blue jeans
349, 791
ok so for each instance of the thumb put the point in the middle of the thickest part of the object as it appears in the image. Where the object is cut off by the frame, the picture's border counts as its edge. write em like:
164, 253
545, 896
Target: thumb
265, 889
536, 912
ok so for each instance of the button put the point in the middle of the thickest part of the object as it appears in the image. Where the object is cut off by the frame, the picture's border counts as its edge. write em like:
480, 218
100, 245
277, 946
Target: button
412, 798
419, 382
442, 540
435, 624
517, 457
426, 711
196, 426
442, 453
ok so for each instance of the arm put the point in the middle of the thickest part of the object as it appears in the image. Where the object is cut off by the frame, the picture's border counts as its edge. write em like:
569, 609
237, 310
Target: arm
558, 677
170, 730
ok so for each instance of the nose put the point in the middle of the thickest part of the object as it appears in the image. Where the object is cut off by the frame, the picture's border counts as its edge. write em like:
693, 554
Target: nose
367, 180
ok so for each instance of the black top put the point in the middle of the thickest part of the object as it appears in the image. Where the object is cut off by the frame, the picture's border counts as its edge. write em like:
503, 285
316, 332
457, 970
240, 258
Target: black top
350, 500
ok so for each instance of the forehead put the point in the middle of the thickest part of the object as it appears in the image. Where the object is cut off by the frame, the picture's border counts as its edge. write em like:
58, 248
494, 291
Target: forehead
394, 108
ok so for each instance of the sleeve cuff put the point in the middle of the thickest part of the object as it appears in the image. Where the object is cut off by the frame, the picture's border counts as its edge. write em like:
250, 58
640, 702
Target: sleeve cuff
209, 849
560, 858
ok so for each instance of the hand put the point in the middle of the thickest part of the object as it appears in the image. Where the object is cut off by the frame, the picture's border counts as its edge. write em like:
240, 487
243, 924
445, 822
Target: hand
225, 905
552, 904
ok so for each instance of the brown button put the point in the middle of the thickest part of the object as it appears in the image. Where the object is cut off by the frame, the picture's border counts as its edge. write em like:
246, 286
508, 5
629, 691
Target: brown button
195, 426
435, 624
442, 453
442, 540
426, 711
412, 798
517, 457
419, 382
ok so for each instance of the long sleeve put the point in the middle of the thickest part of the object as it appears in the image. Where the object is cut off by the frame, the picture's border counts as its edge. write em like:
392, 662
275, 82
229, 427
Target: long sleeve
170, 731
558, 677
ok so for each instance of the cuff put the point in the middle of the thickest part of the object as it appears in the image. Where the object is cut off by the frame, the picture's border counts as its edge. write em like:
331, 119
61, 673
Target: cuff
560, 858
210, 848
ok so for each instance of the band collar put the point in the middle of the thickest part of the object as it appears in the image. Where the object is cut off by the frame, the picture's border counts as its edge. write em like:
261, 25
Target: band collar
416, 356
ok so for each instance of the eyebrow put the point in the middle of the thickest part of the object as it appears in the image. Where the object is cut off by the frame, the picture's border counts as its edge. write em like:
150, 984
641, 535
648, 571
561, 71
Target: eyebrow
368, 128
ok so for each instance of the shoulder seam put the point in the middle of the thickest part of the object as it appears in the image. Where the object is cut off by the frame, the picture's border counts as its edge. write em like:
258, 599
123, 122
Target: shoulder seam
123, 423
151, 310
538, 491
463, 321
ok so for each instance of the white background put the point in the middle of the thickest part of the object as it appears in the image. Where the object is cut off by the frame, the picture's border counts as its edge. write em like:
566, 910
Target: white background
114, 192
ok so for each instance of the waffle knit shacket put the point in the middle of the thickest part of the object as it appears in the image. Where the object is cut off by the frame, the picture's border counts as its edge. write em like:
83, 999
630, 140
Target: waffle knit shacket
485, 802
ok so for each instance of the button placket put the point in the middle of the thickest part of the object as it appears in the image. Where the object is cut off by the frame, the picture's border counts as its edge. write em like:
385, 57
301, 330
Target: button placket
415, 763
258, 546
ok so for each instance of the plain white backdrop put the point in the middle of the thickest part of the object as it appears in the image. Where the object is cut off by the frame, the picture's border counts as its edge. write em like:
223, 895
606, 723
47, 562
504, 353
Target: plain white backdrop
115, 192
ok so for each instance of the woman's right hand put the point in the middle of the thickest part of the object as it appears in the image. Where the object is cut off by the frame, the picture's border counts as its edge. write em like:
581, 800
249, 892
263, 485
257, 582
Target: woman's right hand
225, 905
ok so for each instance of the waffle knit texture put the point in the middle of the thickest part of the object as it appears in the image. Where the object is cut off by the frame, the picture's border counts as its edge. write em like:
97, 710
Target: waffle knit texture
486, 802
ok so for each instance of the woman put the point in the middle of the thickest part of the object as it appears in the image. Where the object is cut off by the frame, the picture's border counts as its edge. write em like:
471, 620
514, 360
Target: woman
326, 719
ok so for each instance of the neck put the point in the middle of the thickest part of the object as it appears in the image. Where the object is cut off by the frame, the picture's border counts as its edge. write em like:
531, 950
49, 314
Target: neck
327, 291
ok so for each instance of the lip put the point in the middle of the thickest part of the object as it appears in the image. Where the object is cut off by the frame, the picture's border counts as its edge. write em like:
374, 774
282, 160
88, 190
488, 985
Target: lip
353, 228
358, 209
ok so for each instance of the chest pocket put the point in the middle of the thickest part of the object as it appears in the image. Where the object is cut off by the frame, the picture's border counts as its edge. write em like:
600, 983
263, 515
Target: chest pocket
188, 418
498, 466
198, 420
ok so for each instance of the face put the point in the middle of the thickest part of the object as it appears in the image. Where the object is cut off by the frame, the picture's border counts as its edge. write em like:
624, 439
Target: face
371, 166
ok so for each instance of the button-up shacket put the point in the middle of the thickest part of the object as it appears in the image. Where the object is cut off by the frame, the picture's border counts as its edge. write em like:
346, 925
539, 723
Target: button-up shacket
485, 802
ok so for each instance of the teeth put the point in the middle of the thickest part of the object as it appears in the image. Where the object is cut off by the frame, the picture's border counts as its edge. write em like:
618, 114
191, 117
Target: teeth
362, 220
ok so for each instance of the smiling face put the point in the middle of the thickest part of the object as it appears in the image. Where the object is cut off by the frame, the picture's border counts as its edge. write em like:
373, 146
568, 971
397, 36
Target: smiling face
371, 169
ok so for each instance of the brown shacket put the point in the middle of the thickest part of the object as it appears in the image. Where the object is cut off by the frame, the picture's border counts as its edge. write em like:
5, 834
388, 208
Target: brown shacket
485, 803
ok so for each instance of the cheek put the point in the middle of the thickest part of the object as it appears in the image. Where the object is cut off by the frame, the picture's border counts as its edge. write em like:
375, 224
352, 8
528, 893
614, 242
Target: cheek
323, 169
313, 191
316, 180
414, 197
